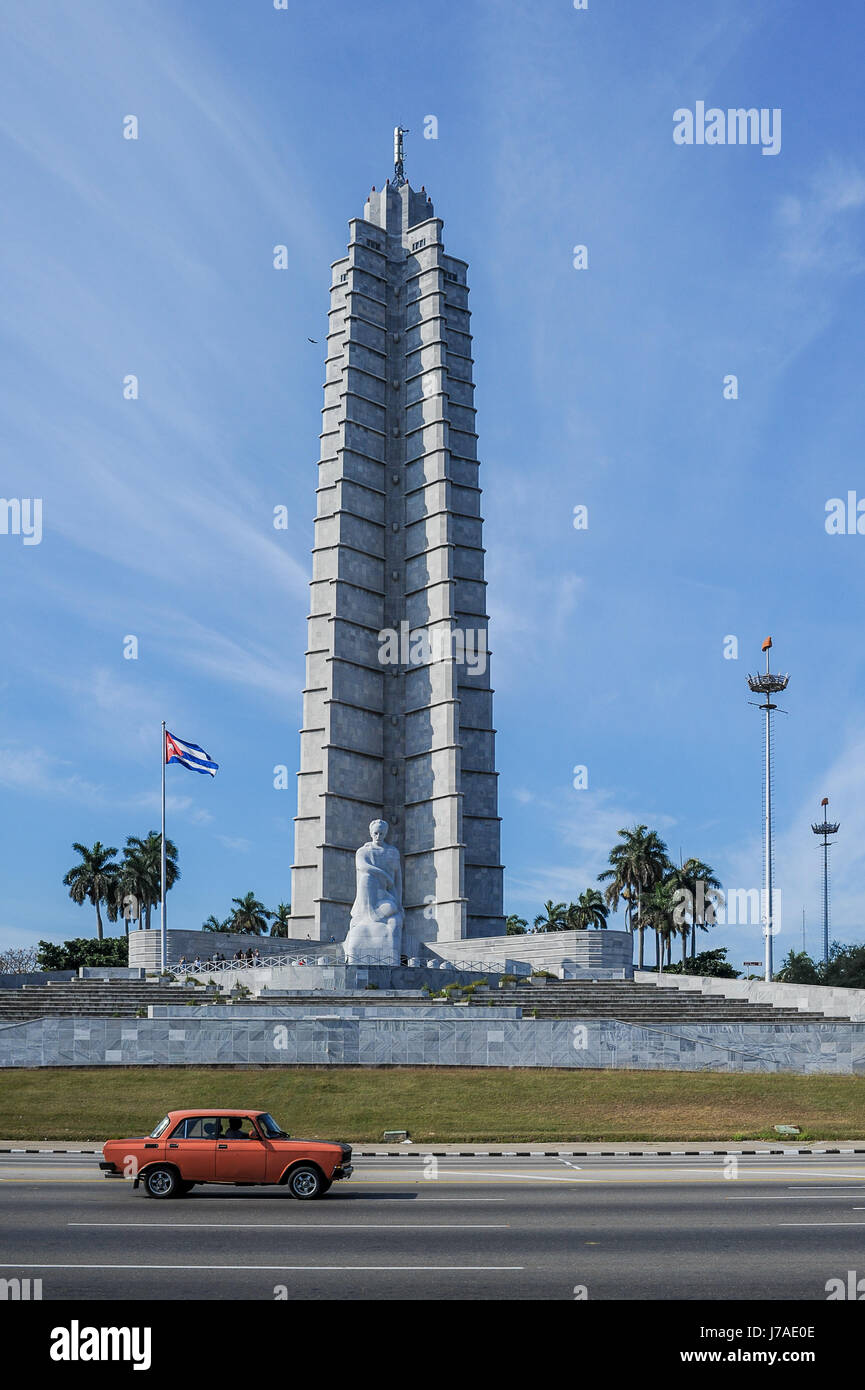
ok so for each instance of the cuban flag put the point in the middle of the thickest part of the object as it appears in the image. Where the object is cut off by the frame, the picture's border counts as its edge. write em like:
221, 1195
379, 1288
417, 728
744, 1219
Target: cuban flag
189, 754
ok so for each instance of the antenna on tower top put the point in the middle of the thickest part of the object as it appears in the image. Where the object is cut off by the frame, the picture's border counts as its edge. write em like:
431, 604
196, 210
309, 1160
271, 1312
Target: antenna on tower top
399, 154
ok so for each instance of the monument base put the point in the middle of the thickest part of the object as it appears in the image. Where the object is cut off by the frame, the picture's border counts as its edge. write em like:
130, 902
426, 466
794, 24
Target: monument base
342, 979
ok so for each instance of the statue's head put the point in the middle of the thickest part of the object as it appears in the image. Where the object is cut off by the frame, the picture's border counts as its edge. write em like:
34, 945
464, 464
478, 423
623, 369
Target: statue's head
378, 831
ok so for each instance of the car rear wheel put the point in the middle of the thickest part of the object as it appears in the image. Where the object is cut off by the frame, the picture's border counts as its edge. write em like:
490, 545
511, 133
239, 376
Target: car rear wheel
162, 1182
306, 1182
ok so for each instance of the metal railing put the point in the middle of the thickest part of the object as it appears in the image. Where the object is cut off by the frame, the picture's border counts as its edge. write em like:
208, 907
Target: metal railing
199, 966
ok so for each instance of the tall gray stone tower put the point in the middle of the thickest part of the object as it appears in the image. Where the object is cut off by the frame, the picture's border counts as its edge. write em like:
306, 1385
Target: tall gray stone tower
397, 710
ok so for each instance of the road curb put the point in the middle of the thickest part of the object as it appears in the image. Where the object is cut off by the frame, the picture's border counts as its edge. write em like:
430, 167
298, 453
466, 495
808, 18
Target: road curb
453, 1151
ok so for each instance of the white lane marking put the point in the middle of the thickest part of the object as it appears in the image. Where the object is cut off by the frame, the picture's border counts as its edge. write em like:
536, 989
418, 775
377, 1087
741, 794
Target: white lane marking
779, 1172
318, 1269
508, 1177
282, 1226
568, 1164
708, 1170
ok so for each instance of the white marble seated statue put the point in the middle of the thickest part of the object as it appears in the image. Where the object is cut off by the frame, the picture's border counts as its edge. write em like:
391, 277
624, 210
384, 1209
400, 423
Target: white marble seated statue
375, 931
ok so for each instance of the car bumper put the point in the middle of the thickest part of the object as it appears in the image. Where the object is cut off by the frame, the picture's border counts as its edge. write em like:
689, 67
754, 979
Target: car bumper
345, 1171
109, 1170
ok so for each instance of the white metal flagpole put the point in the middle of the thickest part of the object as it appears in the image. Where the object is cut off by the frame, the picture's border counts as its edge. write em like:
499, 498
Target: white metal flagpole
164, 950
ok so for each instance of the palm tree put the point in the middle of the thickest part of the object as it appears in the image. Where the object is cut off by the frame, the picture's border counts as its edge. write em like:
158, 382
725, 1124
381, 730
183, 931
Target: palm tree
553, 918
137, 876
281, 920
514, 925
703, 900
249, 916
658, 912
214, 924
589, 910
637, 862
144, 860
94, 879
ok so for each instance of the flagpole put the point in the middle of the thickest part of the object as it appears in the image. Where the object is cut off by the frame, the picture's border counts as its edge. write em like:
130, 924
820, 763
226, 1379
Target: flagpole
163, 945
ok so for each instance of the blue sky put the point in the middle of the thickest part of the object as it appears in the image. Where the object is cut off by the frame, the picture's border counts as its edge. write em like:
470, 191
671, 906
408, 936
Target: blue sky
601, 387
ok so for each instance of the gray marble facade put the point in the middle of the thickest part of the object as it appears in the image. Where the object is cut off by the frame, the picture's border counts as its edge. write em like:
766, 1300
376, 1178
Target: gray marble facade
391, 1039
399, 548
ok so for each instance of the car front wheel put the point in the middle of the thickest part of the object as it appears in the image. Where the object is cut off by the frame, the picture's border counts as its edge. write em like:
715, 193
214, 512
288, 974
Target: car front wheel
306, 1183
162, 1182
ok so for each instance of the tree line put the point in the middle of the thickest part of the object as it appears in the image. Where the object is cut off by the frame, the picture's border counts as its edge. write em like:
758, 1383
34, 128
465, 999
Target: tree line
845, 968
249, 917
671, 900
103, 881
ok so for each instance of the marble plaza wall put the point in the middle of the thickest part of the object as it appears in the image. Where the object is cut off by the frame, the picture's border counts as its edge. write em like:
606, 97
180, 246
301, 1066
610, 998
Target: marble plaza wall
832, 1000
145, 946
37, 977
831, 1048
571, 954
322, 1009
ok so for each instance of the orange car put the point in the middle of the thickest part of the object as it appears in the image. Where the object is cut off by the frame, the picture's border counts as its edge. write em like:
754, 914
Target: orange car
238, 1147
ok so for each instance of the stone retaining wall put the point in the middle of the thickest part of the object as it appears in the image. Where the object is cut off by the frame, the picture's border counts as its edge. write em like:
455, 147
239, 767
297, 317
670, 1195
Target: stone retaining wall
574, 954
832, 1000
832, 1048
145, 946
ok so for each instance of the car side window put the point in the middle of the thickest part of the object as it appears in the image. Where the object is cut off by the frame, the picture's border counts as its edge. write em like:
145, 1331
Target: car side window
237, 1127
202, 1127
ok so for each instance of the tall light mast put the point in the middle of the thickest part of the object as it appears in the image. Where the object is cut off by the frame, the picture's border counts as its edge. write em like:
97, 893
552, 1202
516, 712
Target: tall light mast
826, 828
768, 684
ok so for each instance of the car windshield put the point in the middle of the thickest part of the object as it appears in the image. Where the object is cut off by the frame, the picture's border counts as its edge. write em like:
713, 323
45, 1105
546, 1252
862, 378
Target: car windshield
271, 1128
160, 1128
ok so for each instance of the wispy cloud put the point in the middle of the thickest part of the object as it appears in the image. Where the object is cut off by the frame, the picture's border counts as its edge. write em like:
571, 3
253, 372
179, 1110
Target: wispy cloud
819, 229
235, 843
39, 773
585, 832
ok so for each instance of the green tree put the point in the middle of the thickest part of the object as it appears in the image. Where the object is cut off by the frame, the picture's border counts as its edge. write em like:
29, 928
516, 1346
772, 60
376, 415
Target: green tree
589, 910
658, 914
703, 896
553, 917
845, 967
637, 862
214, 924
797, 968
138, 876
142, 863
515, 926
94, 879
713, 963
82, 951
281, 920
249, 916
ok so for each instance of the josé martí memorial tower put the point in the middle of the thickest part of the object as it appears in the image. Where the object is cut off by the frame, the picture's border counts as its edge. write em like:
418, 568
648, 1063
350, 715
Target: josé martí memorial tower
397, 709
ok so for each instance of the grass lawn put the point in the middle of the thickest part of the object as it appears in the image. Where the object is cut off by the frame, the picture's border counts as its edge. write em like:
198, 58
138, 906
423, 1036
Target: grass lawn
443, 1104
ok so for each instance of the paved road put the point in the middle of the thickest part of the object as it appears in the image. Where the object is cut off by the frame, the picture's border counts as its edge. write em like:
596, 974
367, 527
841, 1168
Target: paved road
470, 1228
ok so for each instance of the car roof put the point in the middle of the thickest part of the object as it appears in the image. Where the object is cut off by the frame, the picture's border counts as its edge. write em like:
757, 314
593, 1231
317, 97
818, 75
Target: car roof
218, 1110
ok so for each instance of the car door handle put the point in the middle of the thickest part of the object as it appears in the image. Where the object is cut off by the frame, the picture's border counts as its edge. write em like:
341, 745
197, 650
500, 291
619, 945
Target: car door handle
174, 1146
222, 1146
